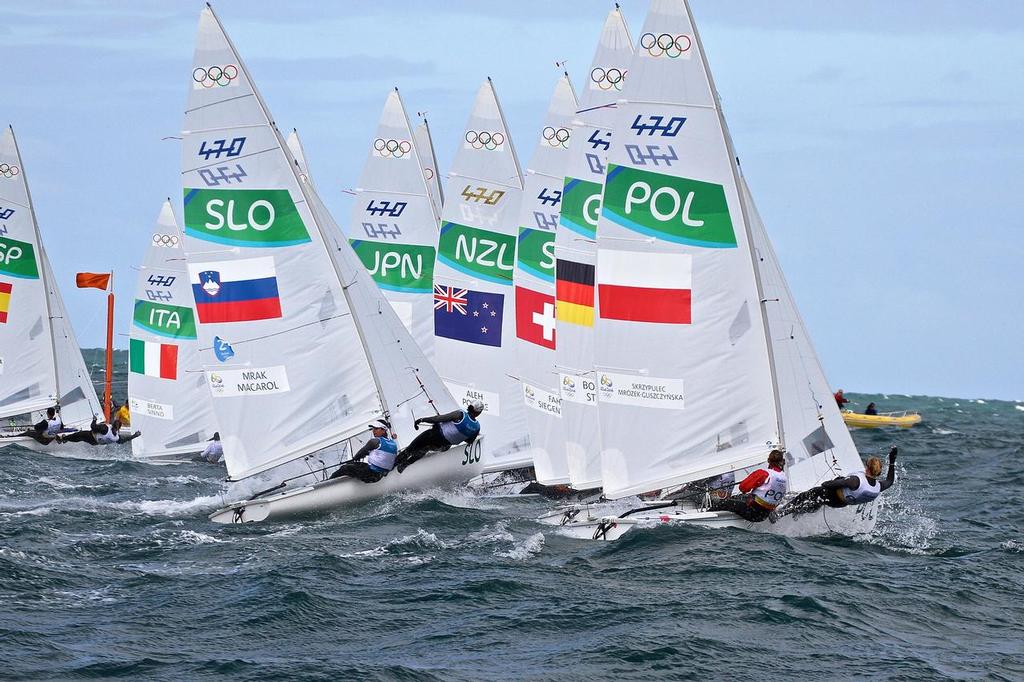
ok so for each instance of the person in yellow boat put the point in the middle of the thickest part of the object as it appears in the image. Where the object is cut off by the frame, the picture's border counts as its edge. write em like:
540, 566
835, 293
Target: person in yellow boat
856, 488
841, 399
124, 415
871, 409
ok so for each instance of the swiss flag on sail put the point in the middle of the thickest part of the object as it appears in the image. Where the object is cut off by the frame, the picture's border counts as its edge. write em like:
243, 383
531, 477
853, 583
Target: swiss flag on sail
644, 287
535, 317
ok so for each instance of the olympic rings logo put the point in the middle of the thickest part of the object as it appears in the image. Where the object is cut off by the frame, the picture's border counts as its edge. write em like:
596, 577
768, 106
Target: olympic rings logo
557, 137
391, 148
428, 173
606, 79
484, 140
169, 240
665, 44
8, 171
214, 75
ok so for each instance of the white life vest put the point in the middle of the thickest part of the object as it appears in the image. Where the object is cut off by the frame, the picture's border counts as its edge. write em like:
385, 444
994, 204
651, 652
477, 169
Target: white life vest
108, 438
464, 429
53, 426
384, 455
770, 493
864, 492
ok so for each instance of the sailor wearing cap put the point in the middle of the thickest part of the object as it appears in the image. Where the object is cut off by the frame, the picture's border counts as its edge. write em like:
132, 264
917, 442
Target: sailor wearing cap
379, 452
460, 426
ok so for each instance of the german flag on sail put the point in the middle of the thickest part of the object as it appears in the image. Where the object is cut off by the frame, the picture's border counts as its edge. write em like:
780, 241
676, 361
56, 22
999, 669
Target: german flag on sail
574, 293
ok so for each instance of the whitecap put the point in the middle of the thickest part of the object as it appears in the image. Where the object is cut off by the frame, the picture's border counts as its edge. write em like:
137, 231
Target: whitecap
1019, 407
1012, 546
527, 548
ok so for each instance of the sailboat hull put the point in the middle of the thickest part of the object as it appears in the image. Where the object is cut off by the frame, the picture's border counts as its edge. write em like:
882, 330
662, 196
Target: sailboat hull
453, 466
604, 522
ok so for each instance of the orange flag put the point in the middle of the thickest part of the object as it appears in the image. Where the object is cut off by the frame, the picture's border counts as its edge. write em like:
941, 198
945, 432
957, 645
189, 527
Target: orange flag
86, 280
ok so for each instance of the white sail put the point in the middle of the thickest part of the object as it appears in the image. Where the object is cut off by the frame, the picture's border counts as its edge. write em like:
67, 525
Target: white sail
818, 443
474, 315
685, 372
428, 160
394, 224
298, 153
535, 287
40, 361
576, 248
262, 278
167, 391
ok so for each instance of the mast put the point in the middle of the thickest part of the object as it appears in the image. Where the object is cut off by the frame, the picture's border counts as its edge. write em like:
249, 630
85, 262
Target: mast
108, 380
306, 197
733, 164
433, 158
45, 270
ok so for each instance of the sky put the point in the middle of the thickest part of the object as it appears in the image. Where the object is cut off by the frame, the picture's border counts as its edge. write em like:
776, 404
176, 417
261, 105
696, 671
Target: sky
882, 142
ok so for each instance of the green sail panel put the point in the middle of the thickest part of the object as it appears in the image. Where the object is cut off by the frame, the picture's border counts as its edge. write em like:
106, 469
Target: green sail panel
18, 259
536, 253
675, 209
398, 267
244, 217
480, 253
581, 206
172, 321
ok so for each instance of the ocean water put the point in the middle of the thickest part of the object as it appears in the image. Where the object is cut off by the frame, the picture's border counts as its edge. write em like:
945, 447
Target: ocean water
109, 569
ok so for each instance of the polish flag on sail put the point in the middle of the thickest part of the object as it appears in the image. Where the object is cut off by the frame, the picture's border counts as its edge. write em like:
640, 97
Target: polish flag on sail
644, 287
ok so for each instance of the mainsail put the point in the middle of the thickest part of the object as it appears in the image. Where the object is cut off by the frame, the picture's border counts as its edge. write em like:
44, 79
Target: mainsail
535, 287
576, 249
428, 160
394, 224
686, 386
272, 276
40, 361
474, 311
168, 395
299, 154
818, 443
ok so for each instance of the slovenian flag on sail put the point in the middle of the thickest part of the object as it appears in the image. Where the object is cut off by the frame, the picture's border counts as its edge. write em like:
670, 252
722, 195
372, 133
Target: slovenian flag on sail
644, 287
236, 290
153, 359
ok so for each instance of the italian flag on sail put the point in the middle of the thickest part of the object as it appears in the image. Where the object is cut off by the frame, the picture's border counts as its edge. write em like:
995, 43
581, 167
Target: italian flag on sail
153, 359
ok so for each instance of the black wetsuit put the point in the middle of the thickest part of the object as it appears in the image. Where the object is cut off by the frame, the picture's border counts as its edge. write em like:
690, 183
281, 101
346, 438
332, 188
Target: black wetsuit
428, 441
830, 493
743, 506
359, 469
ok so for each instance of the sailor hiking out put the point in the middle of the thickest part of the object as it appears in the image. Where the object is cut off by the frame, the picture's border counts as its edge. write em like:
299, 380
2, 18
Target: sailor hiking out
45, 431
379, 452
760, 492
98, 433
856, 488
458, 426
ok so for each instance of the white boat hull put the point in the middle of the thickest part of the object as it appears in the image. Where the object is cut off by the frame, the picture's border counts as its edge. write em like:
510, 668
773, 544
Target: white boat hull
604, 521
456, 465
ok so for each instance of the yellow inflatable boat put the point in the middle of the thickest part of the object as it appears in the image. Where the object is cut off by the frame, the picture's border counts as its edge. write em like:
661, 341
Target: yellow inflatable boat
871, 421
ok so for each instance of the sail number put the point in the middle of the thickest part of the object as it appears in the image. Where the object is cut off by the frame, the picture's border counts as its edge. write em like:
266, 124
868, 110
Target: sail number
471, 453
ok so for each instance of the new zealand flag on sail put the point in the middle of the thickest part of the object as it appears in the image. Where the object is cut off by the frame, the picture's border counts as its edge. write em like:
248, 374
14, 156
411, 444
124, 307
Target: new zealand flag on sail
466, 315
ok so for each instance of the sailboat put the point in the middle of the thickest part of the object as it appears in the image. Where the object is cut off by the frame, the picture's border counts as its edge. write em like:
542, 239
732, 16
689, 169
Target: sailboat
395, 224
428, 160
576, 250
318, 351
41, 364
474, 307
704, 364
535, 287
167, 391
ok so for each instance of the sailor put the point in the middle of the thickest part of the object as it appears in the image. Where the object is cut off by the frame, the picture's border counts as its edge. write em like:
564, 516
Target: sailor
91, 435
871, 409
124, 414
760, 492
841, 399
214, 450
446, 430
380, 453
855, 488
115, 428
46, 430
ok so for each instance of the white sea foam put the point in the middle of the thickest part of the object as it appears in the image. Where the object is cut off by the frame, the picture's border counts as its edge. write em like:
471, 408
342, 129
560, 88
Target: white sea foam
1012, 546
527, 548
1019, 407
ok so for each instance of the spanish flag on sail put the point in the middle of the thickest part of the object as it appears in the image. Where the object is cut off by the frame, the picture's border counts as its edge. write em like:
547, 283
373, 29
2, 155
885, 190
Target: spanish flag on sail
574, 293
5, 300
